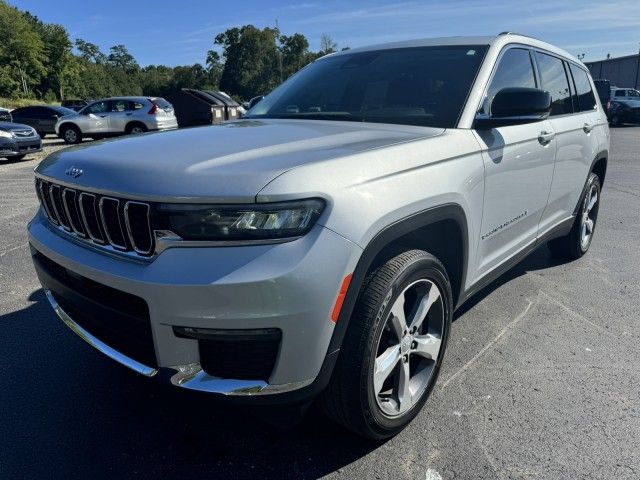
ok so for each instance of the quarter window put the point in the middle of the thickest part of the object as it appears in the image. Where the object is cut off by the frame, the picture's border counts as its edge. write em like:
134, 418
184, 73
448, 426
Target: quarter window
514, 70
586, 100
554, 79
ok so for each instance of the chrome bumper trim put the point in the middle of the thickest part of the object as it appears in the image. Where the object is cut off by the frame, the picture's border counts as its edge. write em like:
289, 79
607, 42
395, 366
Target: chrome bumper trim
190, 376
97, 344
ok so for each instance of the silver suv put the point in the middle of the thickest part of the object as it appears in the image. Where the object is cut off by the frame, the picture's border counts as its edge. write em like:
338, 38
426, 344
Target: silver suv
319, 246
117, 116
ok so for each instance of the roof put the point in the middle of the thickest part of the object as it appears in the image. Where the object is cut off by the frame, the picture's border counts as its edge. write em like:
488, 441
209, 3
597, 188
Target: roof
499, 40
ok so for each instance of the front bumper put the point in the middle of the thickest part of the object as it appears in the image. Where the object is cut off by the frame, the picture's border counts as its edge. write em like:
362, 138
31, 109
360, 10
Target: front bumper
291, 287
11, 147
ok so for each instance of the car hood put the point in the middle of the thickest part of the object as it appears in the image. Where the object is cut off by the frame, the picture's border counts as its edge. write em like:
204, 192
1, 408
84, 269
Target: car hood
12, 127
228, 162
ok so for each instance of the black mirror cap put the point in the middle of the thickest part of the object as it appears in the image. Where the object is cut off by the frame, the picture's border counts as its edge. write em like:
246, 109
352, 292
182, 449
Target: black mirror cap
520, 102
516, 106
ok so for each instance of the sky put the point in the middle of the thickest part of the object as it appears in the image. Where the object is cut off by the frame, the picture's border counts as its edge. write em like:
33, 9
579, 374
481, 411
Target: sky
178, 33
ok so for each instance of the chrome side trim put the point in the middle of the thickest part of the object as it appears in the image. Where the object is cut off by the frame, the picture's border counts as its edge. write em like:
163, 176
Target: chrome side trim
104, 223
190, 376
97, 344
127, 224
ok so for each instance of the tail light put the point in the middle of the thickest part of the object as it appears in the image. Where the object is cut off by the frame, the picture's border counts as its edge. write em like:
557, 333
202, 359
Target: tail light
154, 108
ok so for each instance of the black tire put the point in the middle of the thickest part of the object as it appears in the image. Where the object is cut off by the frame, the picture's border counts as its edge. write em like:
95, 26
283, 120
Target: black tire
573, 245
615, 121
41, 134
135, 128
350, 398
71, 134
16, 158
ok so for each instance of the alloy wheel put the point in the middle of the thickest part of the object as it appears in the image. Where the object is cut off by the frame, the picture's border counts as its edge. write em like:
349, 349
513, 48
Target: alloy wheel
70, 135
408, 347
589, 213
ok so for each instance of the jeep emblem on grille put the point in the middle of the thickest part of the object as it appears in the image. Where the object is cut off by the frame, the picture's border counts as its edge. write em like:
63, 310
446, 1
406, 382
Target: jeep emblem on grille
74, 172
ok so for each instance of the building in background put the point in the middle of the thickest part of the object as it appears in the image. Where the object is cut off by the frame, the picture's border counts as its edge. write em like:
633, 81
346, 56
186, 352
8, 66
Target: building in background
621, 71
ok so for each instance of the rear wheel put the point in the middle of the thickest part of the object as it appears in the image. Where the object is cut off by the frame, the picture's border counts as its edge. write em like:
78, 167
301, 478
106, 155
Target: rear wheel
393, 349
577, 242
135, 129
71, 134
615, 121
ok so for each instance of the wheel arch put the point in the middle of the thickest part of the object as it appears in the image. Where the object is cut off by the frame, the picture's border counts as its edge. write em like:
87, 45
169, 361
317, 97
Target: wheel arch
599, 167
69, 124
133, 123
441, 230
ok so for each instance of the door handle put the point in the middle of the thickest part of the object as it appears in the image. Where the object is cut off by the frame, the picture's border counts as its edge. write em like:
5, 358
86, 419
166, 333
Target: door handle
102, 116
545, 137
587, 128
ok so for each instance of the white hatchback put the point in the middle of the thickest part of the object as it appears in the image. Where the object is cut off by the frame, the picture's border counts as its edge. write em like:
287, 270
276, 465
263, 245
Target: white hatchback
117, 116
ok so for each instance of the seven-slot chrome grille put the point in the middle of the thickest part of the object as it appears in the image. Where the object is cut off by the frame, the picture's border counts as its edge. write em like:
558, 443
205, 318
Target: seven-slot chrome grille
102, 220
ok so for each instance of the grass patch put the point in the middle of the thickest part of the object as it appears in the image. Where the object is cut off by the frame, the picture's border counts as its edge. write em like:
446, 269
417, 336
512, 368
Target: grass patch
11, 103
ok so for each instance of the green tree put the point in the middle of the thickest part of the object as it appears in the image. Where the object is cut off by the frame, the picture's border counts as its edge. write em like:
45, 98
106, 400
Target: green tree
90, 51
295, 53
22, 53
120, 57
251, 60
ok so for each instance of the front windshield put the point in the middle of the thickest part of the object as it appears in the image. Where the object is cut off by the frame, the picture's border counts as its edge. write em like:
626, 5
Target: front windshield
424, 86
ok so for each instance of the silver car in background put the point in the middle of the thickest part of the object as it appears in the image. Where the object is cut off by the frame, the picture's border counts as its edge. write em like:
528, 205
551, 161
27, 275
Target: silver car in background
117, 116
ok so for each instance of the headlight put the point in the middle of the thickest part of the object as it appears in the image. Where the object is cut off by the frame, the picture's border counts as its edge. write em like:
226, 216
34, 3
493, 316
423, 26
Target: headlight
5, 134
285, 220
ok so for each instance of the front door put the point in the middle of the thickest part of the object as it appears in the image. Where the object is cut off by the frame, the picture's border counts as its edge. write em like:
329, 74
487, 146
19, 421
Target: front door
518, 162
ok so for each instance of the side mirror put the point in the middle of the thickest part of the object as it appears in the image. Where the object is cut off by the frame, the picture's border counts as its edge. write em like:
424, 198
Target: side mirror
516, 106
255, 100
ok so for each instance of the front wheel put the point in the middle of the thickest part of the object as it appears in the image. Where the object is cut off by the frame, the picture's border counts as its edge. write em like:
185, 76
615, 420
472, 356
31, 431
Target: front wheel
393, 348
71, 134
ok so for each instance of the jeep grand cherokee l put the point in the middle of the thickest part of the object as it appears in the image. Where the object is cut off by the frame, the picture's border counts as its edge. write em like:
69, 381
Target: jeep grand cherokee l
319, 246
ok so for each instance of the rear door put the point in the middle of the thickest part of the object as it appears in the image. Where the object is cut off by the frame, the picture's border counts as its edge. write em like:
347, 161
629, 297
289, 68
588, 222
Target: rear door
573, 118
47, 118
518, 161
119, 115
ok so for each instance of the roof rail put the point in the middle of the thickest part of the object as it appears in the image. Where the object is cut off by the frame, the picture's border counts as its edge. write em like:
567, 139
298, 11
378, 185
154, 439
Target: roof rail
516, 33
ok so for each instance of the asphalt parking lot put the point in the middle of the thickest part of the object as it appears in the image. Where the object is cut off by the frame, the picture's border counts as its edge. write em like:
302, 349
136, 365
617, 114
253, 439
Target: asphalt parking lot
541, 378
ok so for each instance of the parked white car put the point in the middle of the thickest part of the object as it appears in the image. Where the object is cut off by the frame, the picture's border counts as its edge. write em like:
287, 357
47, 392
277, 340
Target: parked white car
618, 93
117, 116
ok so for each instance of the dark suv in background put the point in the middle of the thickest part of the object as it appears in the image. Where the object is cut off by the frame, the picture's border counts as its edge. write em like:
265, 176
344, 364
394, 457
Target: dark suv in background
42, 118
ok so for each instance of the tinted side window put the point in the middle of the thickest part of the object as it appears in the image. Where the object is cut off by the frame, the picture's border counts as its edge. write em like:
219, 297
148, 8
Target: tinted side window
97, 107
121, 105
621, 93
584, 93
554, 80
23, 112
514, 70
